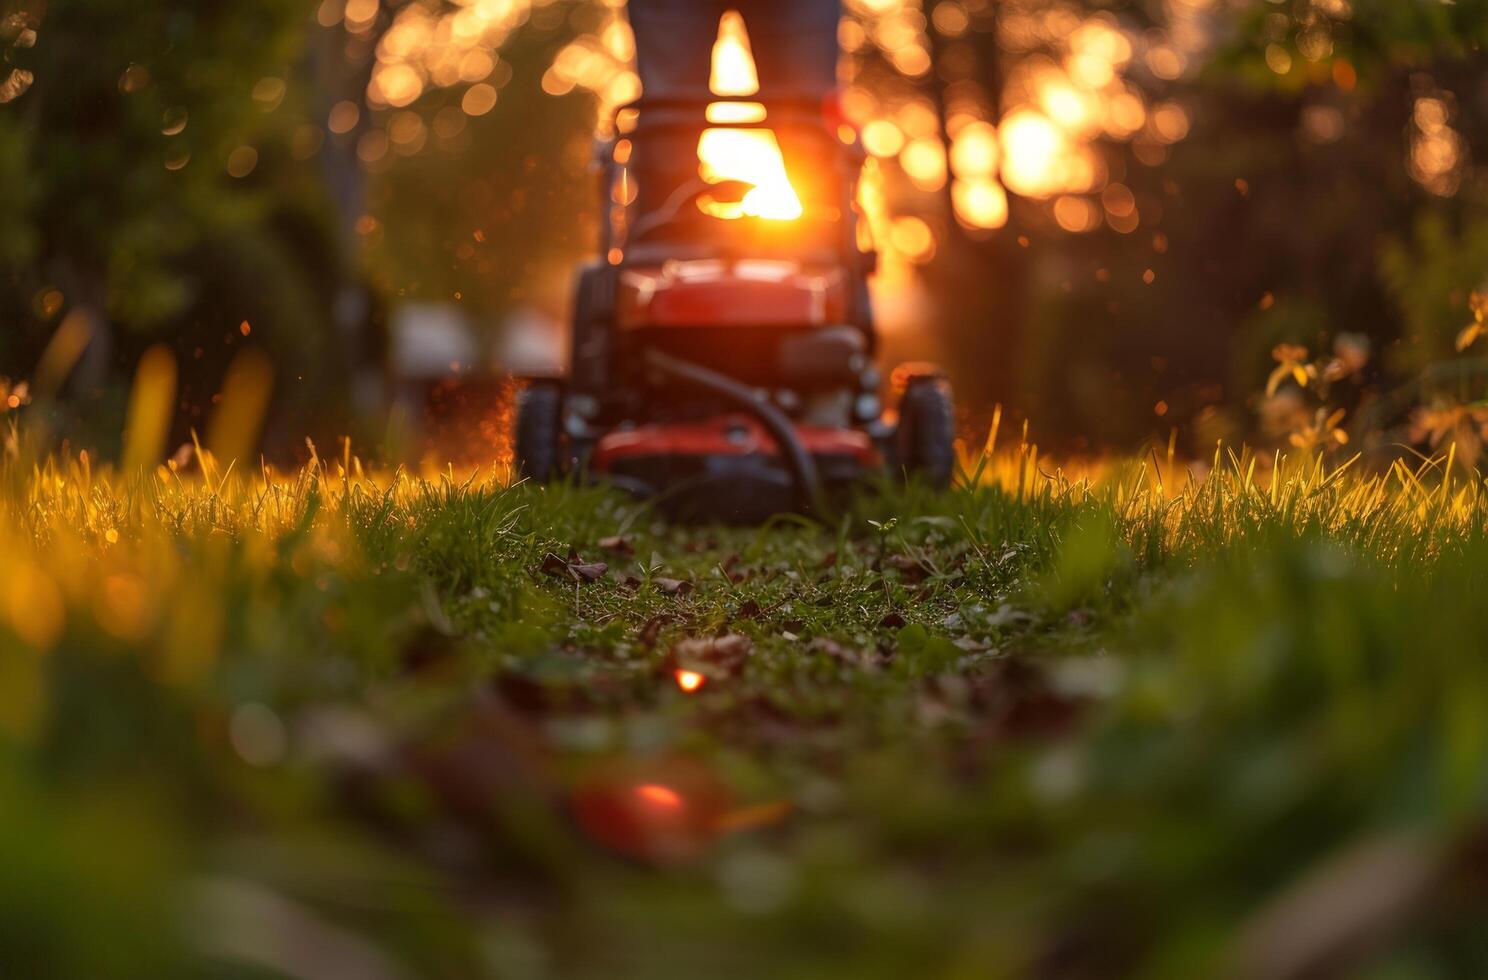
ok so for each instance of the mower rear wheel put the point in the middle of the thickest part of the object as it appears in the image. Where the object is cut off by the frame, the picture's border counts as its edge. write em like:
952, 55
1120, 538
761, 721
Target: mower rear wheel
927, 432
539, 429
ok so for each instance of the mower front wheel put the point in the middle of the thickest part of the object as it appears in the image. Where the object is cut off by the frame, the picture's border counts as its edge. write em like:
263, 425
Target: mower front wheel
927, 432
539, 430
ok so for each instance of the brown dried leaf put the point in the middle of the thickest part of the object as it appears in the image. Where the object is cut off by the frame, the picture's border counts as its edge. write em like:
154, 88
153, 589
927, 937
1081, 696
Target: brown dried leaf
573, 567
731, 571
672, 586
652, 629
1341, 910
617, 545
840, 653
910, 568
728, 651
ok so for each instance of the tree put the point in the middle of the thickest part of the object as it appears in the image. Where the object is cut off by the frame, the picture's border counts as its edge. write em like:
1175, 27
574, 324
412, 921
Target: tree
160, 199
131, 135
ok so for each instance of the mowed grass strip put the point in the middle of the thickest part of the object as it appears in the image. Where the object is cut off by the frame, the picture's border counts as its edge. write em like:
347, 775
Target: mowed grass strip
1132, 722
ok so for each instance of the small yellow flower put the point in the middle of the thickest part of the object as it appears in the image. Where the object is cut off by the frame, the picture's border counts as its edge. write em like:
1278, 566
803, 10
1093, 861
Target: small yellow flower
1450, 423
1322, 432
1468, 335
1477, 301
1350, 356
1291, 362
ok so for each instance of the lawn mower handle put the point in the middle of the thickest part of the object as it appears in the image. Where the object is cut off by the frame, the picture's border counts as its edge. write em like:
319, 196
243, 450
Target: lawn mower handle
797, 460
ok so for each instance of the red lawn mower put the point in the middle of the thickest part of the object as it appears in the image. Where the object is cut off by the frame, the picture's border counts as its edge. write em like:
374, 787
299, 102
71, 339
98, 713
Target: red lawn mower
723, 345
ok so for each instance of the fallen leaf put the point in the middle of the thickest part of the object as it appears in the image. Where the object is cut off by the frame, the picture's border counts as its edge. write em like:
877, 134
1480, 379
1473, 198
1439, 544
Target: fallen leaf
652, 629
573, 567
846, 655
672, 586
1344, 908
829, 646
589, 571
1006, 615
910, 568
730, 571
617, 545
728, 651
1013, 698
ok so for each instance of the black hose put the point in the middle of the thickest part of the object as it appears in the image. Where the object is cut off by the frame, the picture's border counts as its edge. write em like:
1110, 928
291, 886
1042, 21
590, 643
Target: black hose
679, 199
797, 460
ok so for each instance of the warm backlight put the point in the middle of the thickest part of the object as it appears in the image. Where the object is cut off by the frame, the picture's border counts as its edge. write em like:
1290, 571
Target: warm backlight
735, 112
749, 155
689, 680
752, 156
733, 72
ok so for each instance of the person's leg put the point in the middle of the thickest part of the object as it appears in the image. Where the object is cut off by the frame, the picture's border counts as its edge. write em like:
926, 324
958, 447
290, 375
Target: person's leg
674, 45
795, 46
795, 52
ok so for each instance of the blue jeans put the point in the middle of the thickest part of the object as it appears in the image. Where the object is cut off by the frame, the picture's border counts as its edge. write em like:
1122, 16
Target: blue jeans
794, 44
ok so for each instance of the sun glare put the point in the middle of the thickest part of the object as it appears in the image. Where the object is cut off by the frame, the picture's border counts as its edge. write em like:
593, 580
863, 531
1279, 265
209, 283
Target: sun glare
735, 112
749, 155
752, 156
733, 72
1033, 149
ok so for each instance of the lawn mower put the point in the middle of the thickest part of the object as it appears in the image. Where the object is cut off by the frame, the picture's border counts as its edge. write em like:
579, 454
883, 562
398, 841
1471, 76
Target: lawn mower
722, 356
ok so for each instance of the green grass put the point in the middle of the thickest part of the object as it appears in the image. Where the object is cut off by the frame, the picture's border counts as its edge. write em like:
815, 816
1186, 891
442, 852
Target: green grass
1131, 724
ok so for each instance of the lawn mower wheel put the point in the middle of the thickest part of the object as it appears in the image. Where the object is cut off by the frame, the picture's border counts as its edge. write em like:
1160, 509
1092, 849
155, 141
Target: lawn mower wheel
927, 431
539, 428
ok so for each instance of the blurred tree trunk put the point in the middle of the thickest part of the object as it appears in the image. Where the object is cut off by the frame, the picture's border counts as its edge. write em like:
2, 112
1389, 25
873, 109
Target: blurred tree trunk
83, 281
980, 276
339, 66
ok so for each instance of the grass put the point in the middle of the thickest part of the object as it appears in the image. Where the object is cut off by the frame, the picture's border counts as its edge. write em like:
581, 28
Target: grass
1134, 722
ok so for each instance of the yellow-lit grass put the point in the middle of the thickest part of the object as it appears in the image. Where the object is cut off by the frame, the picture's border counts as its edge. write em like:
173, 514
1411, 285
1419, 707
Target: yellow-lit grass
141, 556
